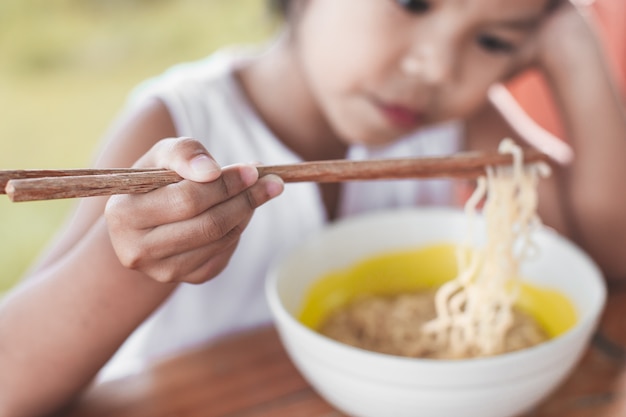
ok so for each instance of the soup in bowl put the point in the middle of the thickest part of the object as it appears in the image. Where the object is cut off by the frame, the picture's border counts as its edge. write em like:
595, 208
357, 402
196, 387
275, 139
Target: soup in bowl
405, 251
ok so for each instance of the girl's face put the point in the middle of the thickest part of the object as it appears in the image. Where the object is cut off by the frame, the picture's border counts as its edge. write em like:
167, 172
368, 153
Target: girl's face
379, 69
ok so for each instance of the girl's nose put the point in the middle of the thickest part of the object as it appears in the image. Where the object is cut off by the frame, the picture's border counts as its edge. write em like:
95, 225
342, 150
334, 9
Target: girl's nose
432, 64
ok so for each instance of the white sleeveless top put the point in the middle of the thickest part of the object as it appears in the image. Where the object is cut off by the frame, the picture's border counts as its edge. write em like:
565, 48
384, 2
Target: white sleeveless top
206, 103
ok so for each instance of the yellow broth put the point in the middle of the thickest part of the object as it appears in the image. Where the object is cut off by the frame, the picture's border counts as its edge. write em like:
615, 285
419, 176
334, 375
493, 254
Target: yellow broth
420, 269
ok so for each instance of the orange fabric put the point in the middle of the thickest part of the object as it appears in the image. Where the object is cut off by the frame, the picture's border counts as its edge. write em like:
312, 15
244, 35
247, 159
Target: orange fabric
531, 91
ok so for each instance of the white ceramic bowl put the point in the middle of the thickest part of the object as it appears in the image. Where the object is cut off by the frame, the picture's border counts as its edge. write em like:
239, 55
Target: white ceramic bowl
367, 384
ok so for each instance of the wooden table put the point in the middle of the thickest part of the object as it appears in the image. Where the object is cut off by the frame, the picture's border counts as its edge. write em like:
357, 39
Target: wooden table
250, 375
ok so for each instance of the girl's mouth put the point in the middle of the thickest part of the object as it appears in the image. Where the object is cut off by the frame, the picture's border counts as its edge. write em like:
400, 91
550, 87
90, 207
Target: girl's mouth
400, 116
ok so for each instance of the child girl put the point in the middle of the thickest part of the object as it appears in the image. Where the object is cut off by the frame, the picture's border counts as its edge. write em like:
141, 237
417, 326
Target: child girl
346, 79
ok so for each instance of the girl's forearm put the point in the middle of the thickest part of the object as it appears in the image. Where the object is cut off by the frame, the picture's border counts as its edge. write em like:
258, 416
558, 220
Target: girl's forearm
64, 324
596, 125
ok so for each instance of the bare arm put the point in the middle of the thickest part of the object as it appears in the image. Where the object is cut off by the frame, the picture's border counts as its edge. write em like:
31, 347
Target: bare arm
583, 199
57, 331
595, 119
62, 311
108, 272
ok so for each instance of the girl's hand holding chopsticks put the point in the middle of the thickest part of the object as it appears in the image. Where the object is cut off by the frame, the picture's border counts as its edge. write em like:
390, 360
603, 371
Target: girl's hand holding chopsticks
188, 231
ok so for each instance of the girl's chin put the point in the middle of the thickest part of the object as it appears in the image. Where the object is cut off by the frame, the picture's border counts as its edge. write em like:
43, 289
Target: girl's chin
377, 138
374, 132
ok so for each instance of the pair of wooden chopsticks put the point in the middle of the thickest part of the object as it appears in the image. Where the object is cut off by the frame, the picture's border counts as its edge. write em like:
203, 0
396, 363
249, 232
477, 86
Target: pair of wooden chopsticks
31, 185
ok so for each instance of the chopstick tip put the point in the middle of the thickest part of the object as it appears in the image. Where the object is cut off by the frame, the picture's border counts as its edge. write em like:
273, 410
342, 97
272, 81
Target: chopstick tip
9, 190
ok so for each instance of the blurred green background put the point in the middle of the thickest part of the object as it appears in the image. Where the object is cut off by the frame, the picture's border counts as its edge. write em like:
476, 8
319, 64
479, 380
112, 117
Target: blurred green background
66, 67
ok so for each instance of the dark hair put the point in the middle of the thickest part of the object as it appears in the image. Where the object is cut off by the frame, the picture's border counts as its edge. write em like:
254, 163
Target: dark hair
280, 6
553, 4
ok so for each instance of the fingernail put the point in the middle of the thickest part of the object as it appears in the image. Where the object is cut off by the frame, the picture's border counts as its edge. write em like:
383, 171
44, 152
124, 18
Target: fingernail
275, 185
249, 174
203, 166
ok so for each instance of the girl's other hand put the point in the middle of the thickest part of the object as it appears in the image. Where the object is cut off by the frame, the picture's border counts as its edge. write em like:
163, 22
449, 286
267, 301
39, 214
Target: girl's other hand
186, 232
566, 37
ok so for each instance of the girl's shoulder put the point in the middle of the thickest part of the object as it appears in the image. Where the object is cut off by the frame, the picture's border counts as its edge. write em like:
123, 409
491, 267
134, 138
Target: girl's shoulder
196, 76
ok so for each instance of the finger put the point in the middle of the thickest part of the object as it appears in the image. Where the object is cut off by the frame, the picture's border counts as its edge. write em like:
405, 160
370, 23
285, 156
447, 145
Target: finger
215, 223
186, 156
180, 201
196, 266
210, 269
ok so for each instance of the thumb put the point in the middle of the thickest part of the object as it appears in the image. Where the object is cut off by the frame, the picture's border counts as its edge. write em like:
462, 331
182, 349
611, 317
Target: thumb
186, 156
200, 168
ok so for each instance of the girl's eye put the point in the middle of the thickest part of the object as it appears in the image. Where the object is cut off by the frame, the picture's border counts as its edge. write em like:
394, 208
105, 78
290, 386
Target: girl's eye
494, 44
414, 6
